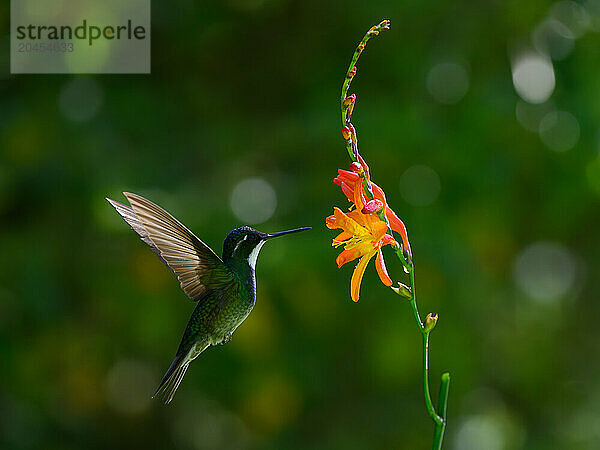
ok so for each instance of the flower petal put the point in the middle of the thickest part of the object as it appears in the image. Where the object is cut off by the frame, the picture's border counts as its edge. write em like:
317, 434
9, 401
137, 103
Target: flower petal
381, 269
398, 226
395, 223
350, 254
358, 217
347, 188
358, 196
341, 220
357, 276
346, 175
331, 222
343, 236
378, 228
388, 240
378, 193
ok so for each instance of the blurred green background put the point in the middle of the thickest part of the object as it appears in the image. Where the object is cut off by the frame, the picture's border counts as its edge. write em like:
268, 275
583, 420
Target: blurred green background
480, 120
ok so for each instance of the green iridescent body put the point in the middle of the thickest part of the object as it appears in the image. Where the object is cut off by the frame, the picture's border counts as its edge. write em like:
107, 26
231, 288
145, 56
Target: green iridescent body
224, 288
217, 316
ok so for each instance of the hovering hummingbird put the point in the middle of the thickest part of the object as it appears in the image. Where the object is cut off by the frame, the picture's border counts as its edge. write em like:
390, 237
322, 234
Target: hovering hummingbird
224, 289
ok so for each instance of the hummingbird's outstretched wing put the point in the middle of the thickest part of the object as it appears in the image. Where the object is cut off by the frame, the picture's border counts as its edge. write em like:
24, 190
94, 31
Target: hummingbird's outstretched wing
127, 213
197, 267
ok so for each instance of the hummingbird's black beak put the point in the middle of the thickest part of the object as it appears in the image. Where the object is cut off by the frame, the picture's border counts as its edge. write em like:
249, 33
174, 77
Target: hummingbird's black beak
281, 233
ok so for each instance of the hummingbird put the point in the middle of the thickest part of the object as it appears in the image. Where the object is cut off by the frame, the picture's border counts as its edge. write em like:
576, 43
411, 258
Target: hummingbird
223, 288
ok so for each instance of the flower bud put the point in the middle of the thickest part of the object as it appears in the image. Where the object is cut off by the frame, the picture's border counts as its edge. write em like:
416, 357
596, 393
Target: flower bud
349, 106
402, 290
346, 133
352, 133
372, 206
349, 100
352, 72
356, 167
430, 322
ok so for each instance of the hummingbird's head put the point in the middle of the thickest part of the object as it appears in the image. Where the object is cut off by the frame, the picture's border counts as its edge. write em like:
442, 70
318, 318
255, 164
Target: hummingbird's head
244, 243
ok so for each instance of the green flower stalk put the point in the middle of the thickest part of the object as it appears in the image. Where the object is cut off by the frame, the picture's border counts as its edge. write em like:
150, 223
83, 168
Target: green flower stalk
370, 225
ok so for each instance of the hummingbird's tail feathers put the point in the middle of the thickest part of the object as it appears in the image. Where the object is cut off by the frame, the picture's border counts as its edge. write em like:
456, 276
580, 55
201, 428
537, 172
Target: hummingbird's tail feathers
171, 381
176, 371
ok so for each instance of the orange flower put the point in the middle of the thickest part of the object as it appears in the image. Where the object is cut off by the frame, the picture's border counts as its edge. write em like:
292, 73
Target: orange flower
352, 186
363, 236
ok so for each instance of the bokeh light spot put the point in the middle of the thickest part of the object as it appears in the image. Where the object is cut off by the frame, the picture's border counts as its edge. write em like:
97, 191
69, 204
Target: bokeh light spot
205, 425
533, 77
420, 185
559, 130
448, 82
530, 115
572, 15
593, 9
253, 200
480, 432
129, 386
80, 99
553, 38
545, 271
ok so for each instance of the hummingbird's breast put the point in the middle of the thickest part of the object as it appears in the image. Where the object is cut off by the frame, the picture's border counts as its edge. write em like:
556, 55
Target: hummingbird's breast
234, 309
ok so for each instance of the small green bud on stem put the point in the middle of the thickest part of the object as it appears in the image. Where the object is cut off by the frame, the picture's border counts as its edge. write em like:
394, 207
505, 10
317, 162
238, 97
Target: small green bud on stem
402, 290
430, 322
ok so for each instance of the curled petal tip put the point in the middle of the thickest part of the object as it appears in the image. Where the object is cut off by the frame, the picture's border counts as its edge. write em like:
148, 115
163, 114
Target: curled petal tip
347, 175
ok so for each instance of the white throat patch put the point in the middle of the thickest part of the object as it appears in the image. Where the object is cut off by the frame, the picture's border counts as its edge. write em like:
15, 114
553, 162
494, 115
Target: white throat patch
254, 254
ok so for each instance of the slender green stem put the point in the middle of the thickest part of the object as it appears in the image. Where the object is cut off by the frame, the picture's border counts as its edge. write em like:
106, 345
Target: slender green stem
346, 109
373, 31
440, 428
425, 336
347, 106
